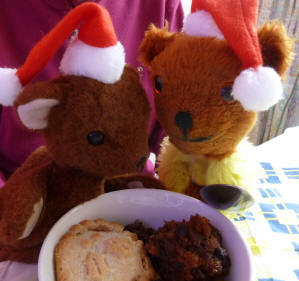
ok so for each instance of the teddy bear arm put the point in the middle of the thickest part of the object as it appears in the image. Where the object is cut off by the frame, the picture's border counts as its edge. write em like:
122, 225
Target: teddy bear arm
234, 170
129, 181
199, 169
176, 178
22, 198
174, 167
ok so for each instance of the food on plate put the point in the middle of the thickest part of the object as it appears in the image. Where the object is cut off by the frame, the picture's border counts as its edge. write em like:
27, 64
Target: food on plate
141, 230
187, 250
100, 250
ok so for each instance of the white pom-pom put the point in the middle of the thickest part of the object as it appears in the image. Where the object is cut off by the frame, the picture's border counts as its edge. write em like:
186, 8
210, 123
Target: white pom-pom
103, 64
10, 86
201, 24
258, 89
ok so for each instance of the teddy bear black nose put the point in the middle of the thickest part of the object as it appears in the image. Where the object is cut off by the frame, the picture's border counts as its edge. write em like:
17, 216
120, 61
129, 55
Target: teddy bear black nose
184, 120
95, 138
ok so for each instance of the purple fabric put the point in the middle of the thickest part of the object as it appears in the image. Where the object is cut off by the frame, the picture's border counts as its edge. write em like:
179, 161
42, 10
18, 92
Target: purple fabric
22, 25
2, 179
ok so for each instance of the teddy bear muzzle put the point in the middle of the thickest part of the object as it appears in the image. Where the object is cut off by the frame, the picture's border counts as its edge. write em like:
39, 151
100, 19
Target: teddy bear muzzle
184, 121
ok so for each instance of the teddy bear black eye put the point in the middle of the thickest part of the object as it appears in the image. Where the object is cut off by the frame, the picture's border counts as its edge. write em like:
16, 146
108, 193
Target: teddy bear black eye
158, 85
95, 138
226, 93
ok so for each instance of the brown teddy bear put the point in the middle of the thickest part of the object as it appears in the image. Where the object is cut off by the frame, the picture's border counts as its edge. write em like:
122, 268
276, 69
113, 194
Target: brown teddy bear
94, 120
210, 81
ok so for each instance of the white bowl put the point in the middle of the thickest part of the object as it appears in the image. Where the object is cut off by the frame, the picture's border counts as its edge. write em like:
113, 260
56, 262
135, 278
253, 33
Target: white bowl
152, 207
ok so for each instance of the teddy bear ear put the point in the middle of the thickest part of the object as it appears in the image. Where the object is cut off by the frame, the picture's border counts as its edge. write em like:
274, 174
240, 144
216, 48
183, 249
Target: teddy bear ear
154, 42
276, 46
34, 114
34, 104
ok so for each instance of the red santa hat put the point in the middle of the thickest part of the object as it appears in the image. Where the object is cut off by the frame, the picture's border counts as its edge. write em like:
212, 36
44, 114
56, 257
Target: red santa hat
257, 87
94, 52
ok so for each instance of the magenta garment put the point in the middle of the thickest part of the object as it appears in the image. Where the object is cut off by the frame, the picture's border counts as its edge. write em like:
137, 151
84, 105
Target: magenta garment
23, 24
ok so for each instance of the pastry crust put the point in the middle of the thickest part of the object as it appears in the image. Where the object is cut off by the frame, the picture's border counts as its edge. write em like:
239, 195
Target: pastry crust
101, 251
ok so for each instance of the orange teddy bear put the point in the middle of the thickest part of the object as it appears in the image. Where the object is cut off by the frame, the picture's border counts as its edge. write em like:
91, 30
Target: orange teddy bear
210, 81
94, 120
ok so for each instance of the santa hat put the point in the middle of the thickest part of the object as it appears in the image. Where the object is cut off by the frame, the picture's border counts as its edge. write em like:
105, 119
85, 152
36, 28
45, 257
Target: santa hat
257, 87
94, 52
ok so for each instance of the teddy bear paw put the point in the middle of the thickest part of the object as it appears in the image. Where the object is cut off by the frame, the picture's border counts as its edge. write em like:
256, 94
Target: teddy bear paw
33, 219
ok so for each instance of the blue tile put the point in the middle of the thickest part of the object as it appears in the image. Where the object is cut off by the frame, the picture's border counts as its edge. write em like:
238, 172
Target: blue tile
280, 206
290, 169
270, 192
270, 171
296, 271
294, 229
240, 219
293, 173
270, 216
266, 165
263, 193
270, 279
293, 206
293, 177
273, 180
296, 247
277, 227
267, 207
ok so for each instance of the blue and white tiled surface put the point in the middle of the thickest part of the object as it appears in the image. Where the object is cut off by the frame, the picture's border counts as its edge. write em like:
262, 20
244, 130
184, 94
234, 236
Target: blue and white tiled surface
271, 226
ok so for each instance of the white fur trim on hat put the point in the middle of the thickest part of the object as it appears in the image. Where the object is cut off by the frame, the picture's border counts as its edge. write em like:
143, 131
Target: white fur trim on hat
34, 114
103, 64
10, 86
201, 24
257, 89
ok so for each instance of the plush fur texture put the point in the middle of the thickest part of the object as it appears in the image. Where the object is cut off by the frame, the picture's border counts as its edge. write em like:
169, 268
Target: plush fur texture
193, 85
69, 170
182, 172
91, 106
10, 86
257, 88
276, 46
193, 72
